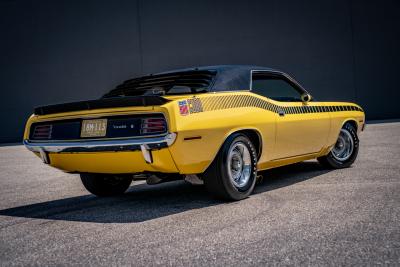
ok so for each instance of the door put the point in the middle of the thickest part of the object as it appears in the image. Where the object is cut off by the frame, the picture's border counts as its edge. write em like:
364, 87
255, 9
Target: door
300, 128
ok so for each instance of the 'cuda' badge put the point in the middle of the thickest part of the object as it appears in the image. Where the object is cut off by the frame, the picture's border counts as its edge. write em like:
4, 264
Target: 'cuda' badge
119, 126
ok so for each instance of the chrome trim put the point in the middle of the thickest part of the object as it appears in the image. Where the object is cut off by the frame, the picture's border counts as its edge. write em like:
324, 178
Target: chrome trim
143, 144
146, 153
97, 116
57, 141
44, 156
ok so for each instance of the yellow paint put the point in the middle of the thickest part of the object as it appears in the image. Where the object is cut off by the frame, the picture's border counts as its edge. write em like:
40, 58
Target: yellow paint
299, 134
285, 140
113, 162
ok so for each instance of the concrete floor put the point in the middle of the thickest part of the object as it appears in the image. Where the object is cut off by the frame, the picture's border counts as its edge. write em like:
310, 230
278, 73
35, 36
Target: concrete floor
301, 214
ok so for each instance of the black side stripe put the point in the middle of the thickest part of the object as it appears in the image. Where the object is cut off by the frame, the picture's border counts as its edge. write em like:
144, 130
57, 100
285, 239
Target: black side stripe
211, 103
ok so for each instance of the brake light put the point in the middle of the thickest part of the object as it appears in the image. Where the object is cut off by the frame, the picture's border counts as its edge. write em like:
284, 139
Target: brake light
42, 132
153, 126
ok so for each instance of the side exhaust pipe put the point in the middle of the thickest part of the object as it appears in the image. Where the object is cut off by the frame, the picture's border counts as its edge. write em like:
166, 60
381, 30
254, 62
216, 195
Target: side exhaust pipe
159, 179
154, 179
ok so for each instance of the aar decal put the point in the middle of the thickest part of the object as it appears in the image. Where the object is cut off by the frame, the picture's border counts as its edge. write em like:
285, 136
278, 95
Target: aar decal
183, 108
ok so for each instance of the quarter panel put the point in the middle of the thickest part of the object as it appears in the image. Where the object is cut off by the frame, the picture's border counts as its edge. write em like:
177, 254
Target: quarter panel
213, 125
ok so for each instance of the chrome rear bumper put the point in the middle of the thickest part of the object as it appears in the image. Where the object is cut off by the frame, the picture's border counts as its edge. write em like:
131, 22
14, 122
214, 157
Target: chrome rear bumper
135, 144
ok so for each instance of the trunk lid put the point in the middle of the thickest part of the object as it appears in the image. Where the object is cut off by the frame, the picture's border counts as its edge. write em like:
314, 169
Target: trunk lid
103, 103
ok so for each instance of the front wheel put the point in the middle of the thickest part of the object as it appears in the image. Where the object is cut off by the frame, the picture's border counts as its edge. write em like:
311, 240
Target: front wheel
232, 174
345, 151
105, 185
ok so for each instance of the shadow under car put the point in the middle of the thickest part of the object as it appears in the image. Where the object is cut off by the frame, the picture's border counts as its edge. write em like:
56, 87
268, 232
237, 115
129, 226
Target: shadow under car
143, 202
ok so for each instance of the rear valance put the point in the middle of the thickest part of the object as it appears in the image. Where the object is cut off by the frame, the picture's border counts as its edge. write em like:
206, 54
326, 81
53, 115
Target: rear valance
116, 102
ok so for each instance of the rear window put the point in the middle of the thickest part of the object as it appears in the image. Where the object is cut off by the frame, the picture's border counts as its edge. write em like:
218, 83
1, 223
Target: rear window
165, 84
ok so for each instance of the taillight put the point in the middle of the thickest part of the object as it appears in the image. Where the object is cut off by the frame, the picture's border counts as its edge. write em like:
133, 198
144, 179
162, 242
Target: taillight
153, 126
42, 132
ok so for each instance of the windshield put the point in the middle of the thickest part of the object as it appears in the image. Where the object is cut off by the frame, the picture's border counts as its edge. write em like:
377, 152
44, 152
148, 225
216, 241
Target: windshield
188, 82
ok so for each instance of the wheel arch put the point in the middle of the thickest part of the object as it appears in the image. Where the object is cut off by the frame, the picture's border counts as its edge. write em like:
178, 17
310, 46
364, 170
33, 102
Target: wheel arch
255, 137
252, 133
352, 122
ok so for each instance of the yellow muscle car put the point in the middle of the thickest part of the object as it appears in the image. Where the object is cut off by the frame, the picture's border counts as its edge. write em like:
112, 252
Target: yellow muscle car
216, 125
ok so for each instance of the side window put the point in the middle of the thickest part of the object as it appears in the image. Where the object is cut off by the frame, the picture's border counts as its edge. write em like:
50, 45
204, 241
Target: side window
274, 87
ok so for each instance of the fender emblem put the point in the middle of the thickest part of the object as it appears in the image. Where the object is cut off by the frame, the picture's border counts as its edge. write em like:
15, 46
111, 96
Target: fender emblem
183, 107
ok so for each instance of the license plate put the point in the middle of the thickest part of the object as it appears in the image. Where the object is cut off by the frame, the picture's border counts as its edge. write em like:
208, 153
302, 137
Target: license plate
94, 128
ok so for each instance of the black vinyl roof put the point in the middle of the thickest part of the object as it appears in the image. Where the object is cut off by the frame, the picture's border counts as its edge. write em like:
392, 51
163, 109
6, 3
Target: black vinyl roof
130, 93
229, 77
214, 78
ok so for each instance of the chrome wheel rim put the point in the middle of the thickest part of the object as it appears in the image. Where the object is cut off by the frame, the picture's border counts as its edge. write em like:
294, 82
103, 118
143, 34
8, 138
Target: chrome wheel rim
239, 164
344, 146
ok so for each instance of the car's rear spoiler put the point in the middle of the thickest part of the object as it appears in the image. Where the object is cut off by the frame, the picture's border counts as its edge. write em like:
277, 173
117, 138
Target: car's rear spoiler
115, 102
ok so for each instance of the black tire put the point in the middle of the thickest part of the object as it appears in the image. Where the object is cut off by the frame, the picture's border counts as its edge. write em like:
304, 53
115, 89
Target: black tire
331, 162
216, 177
105, 185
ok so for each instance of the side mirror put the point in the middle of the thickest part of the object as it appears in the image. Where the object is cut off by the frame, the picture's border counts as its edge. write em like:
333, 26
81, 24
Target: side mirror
306, 98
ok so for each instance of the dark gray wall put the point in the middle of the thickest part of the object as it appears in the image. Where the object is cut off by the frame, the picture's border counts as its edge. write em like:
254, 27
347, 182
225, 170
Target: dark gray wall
57, 51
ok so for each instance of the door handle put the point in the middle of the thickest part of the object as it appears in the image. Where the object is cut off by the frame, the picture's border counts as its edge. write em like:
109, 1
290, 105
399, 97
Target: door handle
281, 113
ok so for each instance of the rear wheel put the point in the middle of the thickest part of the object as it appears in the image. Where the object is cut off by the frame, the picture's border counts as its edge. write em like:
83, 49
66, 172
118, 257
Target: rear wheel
105, 185
345, 151
232, 174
